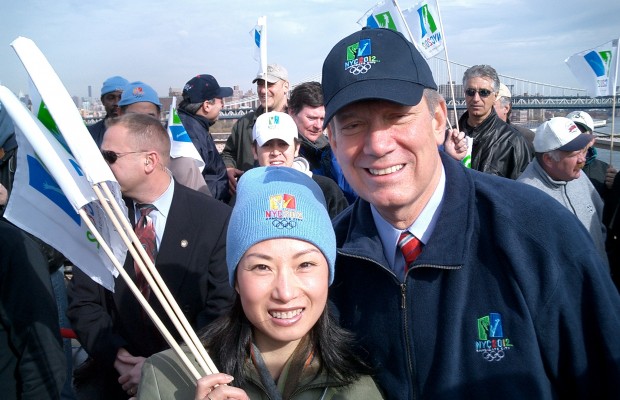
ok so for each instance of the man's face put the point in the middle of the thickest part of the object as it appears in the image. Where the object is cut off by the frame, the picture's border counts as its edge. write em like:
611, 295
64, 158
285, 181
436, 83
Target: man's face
569, 165
214, 109
275, 92
388, 152
479, 106
143, 107
276, 153
128, 169
309, 121
110, 103
501, 109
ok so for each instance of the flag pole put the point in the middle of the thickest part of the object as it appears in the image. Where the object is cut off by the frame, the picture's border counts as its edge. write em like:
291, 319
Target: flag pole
264, 63
445, 49
402, 18
613, 107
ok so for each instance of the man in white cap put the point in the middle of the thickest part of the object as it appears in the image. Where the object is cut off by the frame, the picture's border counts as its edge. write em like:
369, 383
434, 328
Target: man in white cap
272, 88
556, 170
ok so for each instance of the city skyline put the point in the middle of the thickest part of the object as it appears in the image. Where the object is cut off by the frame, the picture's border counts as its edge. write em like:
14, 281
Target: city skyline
165, 45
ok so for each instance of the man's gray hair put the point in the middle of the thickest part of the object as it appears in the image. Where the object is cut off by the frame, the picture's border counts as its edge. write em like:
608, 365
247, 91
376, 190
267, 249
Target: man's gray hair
482, 71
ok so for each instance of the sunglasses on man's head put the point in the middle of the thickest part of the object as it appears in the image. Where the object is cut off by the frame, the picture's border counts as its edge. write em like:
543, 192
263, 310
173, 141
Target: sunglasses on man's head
111, 156
484, 93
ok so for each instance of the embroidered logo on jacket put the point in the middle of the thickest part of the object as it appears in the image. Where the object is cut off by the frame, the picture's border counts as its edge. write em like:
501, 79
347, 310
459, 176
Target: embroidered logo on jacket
491, 340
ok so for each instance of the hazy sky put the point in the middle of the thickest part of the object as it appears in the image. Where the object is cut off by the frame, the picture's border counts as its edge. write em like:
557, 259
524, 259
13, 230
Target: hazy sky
165, 43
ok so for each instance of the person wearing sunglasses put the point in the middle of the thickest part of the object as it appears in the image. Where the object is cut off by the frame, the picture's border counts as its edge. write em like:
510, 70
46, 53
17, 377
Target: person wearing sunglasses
498, 148
140, 98
188, 246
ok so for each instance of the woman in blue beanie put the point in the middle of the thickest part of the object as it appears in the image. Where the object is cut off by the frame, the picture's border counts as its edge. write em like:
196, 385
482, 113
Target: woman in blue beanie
280, 340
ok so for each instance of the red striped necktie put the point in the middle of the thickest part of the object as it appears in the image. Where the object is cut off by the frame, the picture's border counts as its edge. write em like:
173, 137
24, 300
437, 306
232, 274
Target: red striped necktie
411, 248
145, 231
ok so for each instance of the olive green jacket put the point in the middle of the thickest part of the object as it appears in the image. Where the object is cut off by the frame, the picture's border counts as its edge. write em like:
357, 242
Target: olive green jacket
164, 377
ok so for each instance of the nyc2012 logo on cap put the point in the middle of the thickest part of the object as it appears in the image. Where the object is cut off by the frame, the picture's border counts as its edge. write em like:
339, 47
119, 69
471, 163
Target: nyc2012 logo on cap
283, 211
359, 58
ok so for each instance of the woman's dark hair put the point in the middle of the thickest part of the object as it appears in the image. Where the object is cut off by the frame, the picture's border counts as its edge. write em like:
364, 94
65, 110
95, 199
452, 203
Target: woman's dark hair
229, 338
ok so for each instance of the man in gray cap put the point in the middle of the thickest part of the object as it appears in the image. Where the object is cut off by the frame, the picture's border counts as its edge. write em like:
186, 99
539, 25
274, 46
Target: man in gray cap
457, 284
556, 170
111, 92
272, 88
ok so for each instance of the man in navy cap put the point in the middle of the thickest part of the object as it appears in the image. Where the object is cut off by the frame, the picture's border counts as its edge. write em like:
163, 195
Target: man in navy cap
111, 92
203, 98
457, 284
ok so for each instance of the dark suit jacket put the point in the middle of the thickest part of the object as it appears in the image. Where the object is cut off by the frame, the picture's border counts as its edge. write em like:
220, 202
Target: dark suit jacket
191, 260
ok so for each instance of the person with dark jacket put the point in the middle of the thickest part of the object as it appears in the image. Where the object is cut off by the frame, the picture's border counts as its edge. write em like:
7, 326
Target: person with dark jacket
32, 361
188, 249
203, 98
457, 283
497, 149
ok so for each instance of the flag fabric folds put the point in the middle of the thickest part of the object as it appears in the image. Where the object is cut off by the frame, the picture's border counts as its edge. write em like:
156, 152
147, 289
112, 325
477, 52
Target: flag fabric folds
259, 34
181, 144
596, 69
49, 186
384, 14
420, 24
424, 24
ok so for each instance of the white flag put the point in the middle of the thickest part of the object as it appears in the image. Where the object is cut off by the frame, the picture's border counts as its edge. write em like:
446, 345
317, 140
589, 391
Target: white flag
181, 144
384, 15
596, 69
424, 22
259, 34
48, 188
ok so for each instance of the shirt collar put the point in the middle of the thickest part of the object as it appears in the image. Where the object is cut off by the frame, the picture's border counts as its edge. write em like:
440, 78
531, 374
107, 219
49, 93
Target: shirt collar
422, 228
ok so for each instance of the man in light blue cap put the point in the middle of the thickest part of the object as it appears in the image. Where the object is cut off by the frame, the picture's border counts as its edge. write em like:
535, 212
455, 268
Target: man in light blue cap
110, 96
139, 98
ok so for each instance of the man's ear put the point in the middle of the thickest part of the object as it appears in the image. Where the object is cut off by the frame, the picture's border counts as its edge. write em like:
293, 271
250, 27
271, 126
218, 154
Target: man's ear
440, 116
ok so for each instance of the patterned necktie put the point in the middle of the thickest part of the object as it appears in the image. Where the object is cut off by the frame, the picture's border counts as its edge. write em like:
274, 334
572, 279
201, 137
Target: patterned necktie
145, 231
411, 248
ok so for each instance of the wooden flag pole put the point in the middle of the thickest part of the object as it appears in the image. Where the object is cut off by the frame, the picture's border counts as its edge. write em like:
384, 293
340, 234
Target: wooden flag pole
160, 290
143, 302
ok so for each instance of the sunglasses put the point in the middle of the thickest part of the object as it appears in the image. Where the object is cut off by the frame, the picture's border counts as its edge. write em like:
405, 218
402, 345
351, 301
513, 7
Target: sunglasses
110, 156
484, 93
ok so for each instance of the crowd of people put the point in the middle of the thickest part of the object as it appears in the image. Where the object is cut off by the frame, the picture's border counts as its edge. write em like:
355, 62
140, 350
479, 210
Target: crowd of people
337, 247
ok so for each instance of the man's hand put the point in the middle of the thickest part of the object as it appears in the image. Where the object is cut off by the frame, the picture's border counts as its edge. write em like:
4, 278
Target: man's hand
455, 144
233, 175
610, 175
129, 368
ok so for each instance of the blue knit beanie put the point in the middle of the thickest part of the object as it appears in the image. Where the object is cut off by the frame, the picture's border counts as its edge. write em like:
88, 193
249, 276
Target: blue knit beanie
137, 92
113, 84
278, 202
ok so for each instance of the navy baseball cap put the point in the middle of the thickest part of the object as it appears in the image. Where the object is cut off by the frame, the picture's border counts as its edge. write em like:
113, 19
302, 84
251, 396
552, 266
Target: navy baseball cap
204, 87
374, 64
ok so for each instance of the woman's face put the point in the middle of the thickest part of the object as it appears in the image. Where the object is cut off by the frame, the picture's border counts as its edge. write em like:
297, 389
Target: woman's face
282, 284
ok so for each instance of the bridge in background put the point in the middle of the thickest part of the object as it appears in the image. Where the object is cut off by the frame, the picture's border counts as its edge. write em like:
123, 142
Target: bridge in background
526, 94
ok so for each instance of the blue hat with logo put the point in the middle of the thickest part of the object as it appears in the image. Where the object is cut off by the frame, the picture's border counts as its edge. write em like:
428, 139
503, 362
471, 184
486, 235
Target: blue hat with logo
278, 202
378, 64
113, 84
137, 92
